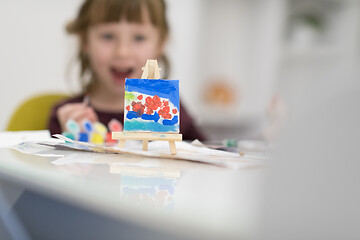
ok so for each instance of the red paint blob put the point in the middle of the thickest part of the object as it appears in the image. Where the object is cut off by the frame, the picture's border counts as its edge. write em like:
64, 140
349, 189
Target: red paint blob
138, 107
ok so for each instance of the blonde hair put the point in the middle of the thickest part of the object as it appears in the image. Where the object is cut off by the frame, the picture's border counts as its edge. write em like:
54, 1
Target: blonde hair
93, 12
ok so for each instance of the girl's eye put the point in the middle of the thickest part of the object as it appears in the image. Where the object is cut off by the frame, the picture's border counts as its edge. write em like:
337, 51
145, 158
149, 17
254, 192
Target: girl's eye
139, 38
107, 36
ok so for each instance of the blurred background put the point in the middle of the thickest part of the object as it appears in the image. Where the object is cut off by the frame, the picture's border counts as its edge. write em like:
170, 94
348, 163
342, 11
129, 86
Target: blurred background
231, 56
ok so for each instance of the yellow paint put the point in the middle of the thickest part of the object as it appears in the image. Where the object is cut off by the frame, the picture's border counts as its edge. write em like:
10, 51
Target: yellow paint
97, 138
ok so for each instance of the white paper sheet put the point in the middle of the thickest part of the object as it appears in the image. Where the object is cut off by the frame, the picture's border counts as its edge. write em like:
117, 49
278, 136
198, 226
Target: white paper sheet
12, 138
160, 149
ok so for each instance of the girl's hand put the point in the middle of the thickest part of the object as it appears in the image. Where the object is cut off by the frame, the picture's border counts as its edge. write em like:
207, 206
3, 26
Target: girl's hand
77, 112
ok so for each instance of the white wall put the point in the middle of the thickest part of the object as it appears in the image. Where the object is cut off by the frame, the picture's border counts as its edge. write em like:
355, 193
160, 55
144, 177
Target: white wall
237, 41
34, 50
184, 46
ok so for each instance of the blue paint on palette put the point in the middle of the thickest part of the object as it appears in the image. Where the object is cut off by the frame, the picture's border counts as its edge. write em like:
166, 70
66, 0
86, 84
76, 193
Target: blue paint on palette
162, 88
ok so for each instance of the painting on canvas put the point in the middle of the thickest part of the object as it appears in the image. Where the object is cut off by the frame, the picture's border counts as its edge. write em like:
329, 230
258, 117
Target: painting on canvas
151, 105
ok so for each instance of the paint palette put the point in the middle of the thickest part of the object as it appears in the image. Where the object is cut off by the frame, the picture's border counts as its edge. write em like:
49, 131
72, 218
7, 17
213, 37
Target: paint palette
151, 105
96, 133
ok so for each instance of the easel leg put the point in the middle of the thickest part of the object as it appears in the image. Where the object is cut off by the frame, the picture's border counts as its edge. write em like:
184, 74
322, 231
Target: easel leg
145, 145
121, 143
172, 147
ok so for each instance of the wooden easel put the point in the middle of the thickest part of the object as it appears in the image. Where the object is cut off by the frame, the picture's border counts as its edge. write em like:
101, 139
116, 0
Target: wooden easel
150, 71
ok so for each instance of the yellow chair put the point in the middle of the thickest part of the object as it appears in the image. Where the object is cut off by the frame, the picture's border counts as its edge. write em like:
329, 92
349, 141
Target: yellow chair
33, 114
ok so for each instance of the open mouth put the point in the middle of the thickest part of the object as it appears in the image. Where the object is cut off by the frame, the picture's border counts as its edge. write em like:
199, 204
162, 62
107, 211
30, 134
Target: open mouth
119, 75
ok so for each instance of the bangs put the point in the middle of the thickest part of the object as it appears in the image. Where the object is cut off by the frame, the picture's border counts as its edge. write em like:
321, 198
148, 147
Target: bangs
105, 11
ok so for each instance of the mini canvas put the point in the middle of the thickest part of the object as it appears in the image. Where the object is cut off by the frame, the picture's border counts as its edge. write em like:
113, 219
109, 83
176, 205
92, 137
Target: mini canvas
151, 105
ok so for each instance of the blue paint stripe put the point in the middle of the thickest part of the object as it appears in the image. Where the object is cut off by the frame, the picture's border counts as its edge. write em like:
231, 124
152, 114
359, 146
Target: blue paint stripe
171, 122
131, 115
154, 117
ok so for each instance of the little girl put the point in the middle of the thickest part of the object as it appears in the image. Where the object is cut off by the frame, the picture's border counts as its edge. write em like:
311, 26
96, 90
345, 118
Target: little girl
116, 37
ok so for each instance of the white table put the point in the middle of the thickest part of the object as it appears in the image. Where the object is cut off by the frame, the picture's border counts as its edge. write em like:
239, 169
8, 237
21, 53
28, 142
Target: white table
208, 202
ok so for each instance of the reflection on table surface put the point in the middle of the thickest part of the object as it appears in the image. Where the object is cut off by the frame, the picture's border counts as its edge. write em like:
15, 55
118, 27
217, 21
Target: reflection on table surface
196, 196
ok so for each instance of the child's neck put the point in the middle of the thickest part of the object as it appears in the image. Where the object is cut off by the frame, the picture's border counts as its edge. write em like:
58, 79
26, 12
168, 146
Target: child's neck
107, 102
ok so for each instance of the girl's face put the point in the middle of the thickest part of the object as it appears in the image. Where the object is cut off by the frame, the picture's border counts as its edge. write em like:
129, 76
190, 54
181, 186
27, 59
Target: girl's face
119, 50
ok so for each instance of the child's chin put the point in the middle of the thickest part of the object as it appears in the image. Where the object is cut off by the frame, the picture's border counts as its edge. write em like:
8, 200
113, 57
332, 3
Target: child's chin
118, 87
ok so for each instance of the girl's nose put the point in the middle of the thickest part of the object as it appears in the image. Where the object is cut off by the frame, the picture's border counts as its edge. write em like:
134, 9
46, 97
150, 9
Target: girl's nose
123, 50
